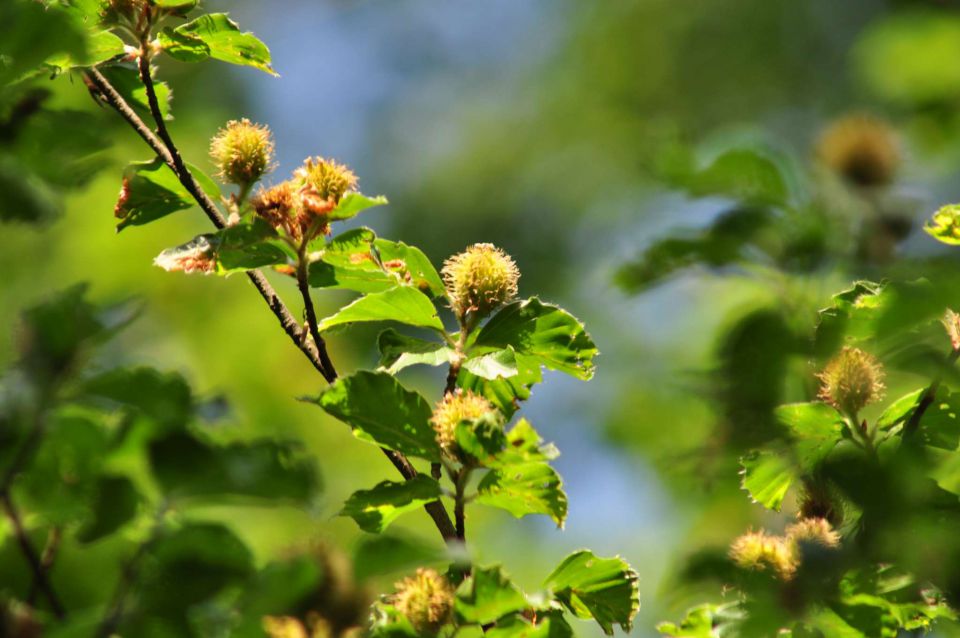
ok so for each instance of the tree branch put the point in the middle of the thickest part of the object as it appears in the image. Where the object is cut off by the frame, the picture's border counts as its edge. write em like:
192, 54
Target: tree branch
98, 83
33, 558
40, 579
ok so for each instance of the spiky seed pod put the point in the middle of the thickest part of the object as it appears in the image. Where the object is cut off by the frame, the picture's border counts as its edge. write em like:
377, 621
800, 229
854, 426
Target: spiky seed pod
951, 322
818, 500
325, 181
761, 551
451, 410
480, 279
861, 148
115, 10
242, 151
851, 380
276, 205
813, 530
426, 599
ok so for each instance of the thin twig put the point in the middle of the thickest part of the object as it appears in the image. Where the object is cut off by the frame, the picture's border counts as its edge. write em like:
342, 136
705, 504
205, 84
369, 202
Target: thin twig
316, 355
913, 423
46, 561
30, 444
330, 372
459, 512
30, 553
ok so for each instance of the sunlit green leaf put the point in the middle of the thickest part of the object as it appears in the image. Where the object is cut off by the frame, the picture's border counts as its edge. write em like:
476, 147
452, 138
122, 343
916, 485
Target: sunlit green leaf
381, 411
766, 476
899, 410
499, 364
488, 595
705, 621
545, 333
215, 35
505, 393
238, 248
376, 508
525, 488
402, 304
398, 351
604, 589
945, 225
354, 203
815, 428
548, 625
358, 260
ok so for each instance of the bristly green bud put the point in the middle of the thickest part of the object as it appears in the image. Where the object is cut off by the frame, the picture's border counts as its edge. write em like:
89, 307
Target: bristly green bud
480, 279
813, 530
861, 148
325, 180
761, 551
242, 151
853, 379
451, 410
426, 599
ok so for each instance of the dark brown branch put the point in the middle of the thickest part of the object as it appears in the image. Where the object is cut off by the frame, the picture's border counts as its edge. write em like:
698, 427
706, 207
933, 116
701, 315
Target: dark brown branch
330, 372
317, 356
459, 512
30, 553
913, 423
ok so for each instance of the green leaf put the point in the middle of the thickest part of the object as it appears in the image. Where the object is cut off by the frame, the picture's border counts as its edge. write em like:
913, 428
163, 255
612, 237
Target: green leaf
215, 35
151, 191
816, 428
165, 398
525, 445
525, 488
239, 248
505, 393
549, 624
101, 46
64, 474
742, 174
604, 589
358, 260
126, 81
705, 621
383, 412
488, 595
398, 351
187, 467
944, 226
899, 410
375, 509
179, 7
499, 364
766, 476
354, 203
481, 440
201, 559
402, 304
545, 333
115, 501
